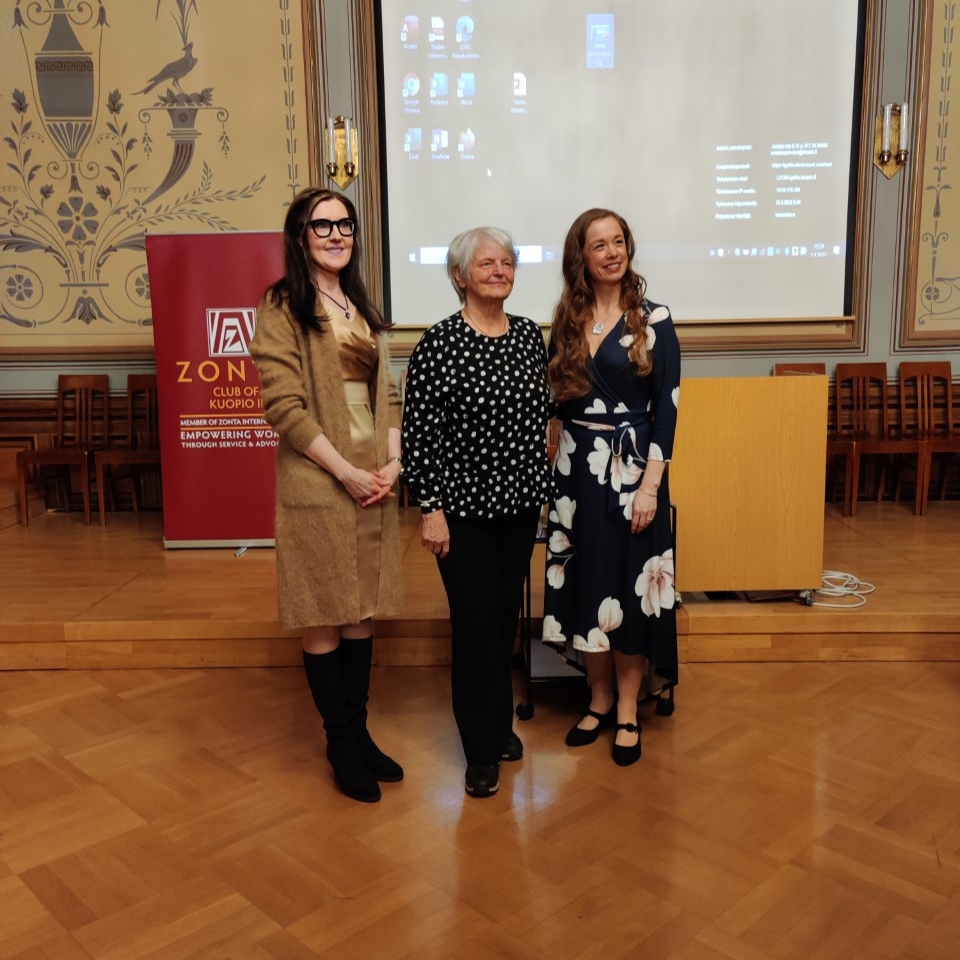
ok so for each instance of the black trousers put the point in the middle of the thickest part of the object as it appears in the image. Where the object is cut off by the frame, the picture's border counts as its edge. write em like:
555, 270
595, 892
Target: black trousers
483, 576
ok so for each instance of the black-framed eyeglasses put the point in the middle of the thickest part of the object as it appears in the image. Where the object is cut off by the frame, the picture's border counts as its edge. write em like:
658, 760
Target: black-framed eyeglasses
323, 228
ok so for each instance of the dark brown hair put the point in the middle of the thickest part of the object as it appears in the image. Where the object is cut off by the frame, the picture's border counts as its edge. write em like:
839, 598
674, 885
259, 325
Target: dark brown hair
296, 287
567, 373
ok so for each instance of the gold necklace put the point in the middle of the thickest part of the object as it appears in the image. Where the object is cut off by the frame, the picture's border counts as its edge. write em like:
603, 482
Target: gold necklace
471, 322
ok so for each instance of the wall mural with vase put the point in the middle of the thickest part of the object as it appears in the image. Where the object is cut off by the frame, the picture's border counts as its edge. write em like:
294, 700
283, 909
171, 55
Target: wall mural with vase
119, 119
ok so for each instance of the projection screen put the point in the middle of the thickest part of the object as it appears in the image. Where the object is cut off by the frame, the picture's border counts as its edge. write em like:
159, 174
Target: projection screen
724, 132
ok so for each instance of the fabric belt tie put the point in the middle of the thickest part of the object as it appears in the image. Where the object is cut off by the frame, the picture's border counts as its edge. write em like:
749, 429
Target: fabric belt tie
623, 442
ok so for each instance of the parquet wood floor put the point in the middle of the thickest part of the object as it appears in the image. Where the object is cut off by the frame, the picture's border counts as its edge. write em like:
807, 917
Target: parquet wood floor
786, 811
87, 597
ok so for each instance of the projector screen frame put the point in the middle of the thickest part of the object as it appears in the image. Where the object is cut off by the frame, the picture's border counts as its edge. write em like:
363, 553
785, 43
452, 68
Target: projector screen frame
844, 333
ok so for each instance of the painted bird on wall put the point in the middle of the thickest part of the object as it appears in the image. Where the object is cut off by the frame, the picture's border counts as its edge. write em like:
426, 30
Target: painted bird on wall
174, 71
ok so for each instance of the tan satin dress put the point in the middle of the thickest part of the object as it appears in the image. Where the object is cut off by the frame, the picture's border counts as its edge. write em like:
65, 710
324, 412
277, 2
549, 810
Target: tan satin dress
358, 364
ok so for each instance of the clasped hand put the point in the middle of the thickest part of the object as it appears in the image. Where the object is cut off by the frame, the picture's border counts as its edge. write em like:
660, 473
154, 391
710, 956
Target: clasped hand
368, 488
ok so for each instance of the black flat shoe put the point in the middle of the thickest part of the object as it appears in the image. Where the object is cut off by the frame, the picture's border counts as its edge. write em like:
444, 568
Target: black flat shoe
482, 780
624, 756
511, 747
576, 737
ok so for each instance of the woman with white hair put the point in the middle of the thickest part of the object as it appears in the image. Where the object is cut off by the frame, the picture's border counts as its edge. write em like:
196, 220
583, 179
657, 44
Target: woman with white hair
474, 456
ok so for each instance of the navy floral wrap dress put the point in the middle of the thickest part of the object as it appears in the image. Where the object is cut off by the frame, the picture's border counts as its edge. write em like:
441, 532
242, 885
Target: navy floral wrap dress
607, 588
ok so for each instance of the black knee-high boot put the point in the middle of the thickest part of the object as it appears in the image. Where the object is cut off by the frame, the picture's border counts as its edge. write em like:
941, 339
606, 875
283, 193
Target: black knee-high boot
325, 676
356, 658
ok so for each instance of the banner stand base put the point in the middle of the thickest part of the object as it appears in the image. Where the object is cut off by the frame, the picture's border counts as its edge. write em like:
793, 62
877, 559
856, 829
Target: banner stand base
204, 544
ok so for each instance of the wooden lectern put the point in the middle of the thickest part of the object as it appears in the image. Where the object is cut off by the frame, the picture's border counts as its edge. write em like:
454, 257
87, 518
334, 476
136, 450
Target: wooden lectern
747, 477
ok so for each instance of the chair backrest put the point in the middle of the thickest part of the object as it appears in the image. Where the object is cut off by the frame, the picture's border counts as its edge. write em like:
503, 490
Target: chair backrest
803, 369
926, 398
83, 410
553, 438
143, 427
861, 400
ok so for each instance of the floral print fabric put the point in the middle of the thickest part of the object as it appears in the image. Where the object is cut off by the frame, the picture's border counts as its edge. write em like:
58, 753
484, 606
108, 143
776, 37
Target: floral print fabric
606, 588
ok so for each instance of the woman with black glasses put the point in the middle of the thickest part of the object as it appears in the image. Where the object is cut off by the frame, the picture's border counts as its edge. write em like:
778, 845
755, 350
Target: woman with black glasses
328, 393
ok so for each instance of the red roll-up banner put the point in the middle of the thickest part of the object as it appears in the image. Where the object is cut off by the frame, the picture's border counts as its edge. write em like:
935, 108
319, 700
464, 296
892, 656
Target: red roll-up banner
217, 451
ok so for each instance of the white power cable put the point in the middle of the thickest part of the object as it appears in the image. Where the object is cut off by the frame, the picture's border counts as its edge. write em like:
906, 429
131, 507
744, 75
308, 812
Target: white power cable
846, 589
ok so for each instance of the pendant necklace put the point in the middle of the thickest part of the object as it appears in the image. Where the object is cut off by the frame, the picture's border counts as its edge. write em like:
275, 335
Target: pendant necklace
597, 327
345, 306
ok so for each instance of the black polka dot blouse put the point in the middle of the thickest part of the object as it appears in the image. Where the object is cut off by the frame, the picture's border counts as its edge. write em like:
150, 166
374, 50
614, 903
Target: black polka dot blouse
475, 420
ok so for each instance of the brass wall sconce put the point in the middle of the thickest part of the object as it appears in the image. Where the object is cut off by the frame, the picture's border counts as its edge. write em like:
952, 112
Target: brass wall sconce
891, 129
341, 151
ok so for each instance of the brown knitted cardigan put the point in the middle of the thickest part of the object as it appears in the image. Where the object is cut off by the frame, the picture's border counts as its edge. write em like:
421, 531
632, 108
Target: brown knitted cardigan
316, 534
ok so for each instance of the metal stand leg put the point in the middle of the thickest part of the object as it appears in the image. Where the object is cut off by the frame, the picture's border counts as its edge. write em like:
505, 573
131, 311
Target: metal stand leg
524, 709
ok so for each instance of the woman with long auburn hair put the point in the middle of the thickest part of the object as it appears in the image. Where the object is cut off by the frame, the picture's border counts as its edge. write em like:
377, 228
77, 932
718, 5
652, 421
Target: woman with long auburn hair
614, 374
327, 391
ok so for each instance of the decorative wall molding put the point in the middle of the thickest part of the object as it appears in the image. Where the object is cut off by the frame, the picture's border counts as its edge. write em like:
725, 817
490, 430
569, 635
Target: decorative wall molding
125, 119
932, 289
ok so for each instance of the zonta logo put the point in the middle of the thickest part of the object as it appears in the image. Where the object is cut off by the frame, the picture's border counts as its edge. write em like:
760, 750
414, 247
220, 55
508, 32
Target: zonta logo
230, 330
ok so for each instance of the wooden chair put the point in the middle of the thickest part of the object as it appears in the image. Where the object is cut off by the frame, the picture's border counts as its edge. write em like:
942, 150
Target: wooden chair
141, 446
83, 426
863, 415
553, 439
926, 412
835, 447
803, 369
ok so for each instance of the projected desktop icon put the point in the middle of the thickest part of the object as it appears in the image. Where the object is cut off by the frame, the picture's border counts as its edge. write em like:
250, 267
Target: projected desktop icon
439, 85
519, 84
439, 140
412, 140
410, 29
436, 30
411, 85
600, 37
466, 85
464, 30
467, 141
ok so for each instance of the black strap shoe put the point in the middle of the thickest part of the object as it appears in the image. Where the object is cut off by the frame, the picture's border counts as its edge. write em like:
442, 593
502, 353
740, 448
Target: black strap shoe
624, 756
578, 737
